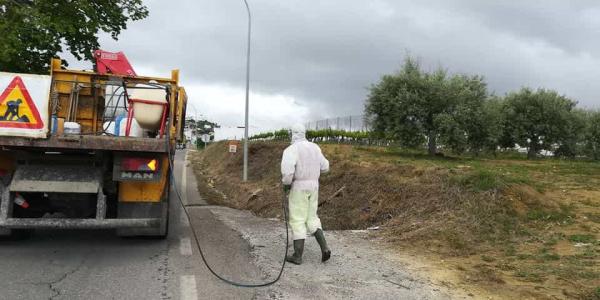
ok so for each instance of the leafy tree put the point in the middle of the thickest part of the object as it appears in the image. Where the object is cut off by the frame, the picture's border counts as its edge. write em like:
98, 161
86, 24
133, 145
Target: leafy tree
34, 31
384, 109
190, 123
592, 134
539, 120
466, 125
490, 122
413, 106
202, 127
572, 142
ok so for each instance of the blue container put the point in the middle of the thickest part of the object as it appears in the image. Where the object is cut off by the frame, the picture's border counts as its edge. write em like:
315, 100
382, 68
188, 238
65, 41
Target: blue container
118, 124
54, 123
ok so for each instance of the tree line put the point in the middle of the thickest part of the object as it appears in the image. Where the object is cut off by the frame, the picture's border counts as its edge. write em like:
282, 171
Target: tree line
438, 111
454, 113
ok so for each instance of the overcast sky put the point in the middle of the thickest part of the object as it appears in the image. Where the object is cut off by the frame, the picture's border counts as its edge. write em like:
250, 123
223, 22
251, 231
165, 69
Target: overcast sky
315, 59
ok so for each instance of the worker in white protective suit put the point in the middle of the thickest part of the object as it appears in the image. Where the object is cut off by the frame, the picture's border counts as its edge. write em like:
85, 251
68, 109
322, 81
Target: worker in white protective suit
301, 165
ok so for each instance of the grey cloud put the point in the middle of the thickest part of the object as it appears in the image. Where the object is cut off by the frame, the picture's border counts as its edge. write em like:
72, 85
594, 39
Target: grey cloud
326, 53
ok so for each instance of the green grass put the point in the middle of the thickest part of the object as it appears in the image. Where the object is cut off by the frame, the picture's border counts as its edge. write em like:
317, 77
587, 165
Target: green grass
549, 216
488, 172
582, 238
480, 180
485, 180
545, 257
564, 215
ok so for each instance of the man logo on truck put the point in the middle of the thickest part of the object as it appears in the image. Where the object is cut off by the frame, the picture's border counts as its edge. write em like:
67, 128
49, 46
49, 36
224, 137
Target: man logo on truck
137, 175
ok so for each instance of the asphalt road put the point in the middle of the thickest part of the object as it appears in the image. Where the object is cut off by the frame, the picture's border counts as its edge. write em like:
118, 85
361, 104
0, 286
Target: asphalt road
99, 265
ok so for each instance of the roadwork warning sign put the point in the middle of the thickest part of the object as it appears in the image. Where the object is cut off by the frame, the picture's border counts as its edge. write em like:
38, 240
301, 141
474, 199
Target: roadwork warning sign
17, 108
24, 105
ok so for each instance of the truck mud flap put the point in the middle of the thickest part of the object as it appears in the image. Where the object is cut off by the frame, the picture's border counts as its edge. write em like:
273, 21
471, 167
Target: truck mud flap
158, 211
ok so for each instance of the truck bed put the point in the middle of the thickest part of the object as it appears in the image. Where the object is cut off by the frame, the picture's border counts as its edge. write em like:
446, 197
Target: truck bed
87, 142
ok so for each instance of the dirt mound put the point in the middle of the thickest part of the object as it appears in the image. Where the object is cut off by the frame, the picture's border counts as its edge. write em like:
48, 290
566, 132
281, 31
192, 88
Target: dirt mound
220, 175
356, 194
525, 198
482, 217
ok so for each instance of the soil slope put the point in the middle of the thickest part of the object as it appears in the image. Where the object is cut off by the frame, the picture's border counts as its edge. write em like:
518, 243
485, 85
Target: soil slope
519, 228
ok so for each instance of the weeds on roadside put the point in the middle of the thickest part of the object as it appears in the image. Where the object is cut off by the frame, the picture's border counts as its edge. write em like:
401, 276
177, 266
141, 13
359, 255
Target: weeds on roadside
582, 238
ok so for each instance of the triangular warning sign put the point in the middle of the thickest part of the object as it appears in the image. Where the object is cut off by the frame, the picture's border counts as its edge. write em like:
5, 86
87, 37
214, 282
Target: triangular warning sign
17, 109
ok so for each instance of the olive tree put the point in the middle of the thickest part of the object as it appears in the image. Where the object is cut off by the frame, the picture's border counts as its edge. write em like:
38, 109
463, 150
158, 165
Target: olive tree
592, 135
414, 107
539, 120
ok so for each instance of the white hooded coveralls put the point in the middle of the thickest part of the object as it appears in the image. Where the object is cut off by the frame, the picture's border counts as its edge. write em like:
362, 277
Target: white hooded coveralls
301, 165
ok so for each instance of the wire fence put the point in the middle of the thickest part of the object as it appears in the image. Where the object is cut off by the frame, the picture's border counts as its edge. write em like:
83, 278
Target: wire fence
347, 123
346, 130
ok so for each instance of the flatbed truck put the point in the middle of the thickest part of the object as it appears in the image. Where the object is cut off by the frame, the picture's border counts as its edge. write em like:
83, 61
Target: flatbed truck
95, 177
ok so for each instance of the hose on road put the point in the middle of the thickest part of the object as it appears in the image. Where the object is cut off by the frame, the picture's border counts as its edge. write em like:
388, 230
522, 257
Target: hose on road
231, 282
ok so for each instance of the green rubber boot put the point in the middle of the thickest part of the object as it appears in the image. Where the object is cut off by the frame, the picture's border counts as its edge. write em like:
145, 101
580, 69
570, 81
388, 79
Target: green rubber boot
296, 258
325, 251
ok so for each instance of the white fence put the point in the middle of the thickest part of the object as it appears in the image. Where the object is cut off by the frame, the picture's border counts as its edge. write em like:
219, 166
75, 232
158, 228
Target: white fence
347, 123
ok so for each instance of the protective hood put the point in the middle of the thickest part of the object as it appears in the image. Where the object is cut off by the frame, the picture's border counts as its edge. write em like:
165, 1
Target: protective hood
298, 133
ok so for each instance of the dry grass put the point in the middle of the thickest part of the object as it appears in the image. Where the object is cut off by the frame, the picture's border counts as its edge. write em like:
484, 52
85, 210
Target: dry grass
530, 228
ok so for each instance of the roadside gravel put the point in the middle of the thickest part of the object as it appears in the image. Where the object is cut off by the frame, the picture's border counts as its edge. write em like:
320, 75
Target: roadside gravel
361, 267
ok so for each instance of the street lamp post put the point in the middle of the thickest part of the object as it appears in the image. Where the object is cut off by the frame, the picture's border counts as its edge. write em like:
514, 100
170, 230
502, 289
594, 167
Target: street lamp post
245, 176
195, 111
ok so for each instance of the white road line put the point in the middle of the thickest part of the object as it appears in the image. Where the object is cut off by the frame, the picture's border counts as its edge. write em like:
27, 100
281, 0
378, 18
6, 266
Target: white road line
185, 247
187, 285
183, 186
183, 218
183, 191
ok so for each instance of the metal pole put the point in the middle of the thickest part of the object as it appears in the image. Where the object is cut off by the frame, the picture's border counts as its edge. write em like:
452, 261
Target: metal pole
195, 111
245, 176
350, 123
